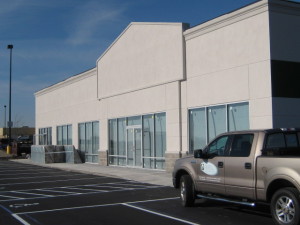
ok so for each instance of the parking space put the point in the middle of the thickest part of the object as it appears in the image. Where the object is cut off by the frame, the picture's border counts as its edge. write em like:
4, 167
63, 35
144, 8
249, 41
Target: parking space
37, 195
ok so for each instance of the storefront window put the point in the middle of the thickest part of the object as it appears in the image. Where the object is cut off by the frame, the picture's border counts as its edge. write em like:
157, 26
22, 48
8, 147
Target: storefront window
216, 121
238, 116
64, 135
148, 141
208, 122
89, 141
197, 128
135, 120
95, 142
139, 142
45, 136
113, 140
122, 142
160, 139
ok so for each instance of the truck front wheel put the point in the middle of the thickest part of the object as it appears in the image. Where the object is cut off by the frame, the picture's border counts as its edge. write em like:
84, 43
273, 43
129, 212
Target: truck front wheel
285, 208
187, 191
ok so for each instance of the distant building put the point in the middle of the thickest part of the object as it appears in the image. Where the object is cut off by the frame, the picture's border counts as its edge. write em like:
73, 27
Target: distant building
17, 132
164, 89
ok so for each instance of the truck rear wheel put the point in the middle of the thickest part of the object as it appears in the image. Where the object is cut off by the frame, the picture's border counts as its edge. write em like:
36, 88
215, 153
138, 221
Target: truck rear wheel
187, 191
285, 208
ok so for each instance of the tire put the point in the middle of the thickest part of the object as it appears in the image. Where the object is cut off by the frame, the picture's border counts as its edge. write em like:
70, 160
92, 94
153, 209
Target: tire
285, 208
187, 191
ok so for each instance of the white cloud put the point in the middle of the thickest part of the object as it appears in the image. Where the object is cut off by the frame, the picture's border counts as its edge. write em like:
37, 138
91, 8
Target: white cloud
10, 6
90, 18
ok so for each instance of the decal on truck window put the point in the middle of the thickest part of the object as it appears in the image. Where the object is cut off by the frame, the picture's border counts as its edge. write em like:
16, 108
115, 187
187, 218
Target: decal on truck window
209, 168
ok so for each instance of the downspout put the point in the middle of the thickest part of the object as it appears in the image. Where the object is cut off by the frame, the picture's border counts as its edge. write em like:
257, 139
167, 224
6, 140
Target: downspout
185, 26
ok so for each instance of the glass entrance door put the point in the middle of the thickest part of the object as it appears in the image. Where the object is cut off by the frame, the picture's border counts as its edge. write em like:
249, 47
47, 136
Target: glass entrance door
134, 147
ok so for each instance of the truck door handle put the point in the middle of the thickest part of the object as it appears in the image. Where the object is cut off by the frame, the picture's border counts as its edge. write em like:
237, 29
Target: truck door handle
220, 164
248, 166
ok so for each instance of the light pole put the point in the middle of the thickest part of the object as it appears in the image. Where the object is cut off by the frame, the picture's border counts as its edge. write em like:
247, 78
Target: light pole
9, 112
4, 121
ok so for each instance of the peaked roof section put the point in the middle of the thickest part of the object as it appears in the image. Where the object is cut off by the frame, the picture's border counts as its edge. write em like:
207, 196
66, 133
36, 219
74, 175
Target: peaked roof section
185, 26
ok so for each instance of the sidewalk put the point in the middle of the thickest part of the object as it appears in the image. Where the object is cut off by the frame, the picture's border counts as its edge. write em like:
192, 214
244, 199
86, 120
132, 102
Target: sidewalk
141, 175
3, 155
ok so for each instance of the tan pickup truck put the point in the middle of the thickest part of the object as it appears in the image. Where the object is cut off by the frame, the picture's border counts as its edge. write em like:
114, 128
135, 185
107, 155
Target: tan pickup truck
246, 167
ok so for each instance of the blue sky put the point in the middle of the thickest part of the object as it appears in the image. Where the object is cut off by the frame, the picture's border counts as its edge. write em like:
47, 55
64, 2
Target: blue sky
56, 39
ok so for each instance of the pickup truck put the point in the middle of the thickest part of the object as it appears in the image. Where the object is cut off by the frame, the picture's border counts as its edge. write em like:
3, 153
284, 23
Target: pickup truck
246, 167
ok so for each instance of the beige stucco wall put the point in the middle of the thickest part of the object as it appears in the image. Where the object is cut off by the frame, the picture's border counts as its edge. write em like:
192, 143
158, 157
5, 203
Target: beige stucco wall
160, 98
144, 55
228, 61
140, 73
69, 102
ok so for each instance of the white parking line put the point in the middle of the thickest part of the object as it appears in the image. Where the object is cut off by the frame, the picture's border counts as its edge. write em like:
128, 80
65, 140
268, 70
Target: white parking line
127, 204
94, 206
18, 178
50, 190
22, 170
30, 193
160, 214
10, 197
51, 181
86, 189
20, 219
36, 172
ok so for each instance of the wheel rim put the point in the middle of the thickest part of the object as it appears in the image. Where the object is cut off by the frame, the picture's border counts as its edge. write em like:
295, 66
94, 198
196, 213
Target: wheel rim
285, 209
182, 191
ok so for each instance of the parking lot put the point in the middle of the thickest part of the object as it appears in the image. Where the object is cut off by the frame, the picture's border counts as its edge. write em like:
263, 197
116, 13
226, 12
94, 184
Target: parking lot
31, 194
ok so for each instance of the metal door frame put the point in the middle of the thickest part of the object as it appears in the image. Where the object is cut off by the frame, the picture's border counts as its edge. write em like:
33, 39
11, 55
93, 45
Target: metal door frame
134, 127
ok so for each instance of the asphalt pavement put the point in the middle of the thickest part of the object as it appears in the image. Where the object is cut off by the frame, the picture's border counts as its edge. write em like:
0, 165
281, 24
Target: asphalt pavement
157, 177
61, 194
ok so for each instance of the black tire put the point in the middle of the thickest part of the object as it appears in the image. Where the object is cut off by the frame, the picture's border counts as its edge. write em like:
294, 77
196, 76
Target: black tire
285, 208
187, 191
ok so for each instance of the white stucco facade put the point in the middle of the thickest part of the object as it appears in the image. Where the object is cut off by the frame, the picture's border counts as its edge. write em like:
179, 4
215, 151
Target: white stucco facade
169, 68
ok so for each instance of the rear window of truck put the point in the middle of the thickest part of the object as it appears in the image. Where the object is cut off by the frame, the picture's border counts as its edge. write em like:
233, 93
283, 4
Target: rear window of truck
282, 144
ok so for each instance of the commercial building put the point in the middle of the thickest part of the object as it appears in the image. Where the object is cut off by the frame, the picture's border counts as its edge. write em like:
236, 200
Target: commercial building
162, 90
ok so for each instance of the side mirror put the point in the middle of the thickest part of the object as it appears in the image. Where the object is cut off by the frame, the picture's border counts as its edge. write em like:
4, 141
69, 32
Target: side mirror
198, 153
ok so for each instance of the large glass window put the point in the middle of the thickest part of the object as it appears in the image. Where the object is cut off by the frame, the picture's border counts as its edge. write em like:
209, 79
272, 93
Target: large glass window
135, 120
89, 140
95, 142
160, 139
144, 149
45, 136
69, 135
64, 135
81, 137
216, 121
148, 141
121, 142
208, 122
238, 116
113, 140
197, 128
59, 135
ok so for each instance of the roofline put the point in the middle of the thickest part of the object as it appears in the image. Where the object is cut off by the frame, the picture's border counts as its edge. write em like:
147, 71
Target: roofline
67, 81
227, 19
184, 25
242, 13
